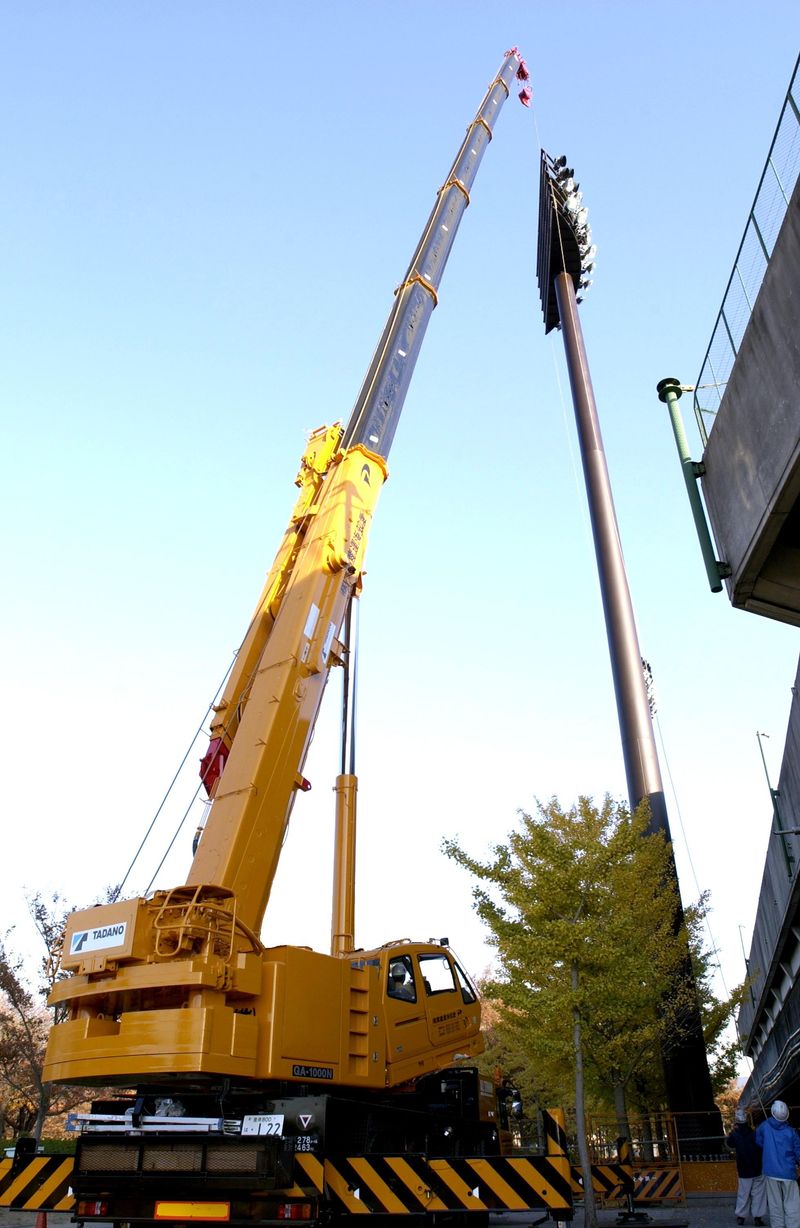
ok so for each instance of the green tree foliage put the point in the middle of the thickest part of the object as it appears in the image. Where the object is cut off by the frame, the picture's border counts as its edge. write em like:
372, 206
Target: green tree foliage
583, 889
581, 906
506, 1058
722, 1045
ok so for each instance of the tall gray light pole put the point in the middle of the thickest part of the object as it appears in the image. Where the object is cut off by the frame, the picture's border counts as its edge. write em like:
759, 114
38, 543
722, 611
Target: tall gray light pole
633, 707
565, 262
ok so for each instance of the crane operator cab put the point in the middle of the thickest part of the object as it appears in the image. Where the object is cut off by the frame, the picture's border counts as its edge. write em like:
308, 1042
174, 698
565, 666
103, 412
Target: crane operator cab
401, 979
430, 1006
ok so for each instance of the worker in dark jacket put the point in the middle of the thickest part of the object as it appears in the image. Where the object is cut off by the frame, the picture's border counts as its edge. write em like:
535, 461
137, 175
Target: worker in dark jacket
751, 1191
780, 1146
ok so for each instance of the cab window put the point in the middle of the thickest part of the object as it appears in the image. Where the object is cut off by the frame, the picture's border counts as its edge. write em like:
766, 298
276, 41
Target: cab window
468, 992
436, 973
401, 979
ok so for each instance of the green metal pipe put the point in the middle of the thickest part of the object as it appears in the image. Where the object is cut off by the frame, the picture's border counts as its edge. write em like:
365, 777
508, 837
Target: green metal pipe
669, 391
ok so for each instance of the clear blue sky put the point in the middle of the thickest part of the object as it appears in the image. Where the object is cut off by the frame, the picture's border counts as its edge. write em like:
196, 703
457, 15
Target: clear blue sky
204, 210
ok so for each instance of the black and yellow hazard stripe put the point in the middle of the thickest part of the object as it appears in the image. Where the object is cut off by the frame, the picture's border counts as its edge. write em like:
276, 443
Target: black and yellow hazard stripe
608, 1180
657, 1184
542, 1178
360, 1185
41, 1184
403, 1185
555, 1134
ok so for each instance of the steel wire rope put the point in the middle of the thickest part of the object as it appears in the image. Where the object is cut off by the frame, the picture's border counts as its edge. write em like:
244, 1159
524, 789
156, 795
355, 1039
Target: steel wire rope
245, 690
745, 1056
175, 835
178, 771
225, 727
678, 811
171, 786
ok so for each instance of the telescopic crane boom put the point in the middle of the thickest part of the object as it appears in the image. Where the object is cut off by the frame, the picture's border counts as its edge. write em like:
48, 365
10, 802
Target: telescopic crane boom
179, 984
266, 716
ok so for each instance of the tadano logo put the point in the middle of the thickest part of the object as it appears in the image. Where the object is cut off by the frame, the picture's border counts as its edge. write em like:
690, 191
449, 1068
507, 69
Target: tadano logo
84, 941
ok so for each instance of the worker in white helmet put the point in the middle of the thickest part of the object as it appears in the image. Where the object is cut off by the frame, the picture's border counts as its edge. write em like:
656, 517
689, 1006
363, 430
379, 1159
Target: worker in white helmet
780, 1147
751, 1191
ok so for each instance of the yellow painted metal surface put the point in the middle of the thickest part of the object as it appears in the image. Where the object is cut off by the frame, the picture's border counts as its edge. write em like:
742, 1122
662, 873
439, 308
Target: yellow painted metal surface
344, 866
214, 1211
710, 1177
250, 1018
277, 709
180, 983
40, 1184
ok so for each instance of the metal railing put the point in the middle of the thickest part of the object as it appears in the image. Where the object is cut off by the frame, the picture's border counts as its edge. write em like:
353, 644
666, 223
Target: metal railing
772, 198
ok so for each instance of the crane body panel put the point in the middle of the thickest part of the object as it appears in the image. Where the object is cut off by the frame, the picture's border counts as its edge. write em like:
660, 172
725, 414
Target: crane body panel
245, 1013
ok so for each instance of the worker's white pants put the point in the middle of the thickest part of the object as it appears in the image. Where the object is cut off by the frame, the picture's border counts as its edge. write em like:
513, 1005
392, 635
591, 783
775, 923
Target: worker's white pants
783, 1198
751, 1198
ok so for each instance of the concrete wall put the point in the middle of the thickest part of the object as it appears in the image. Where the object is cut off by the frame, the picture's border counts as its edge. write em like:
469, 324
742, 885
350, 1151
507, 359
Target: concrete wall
752, 482
774, 961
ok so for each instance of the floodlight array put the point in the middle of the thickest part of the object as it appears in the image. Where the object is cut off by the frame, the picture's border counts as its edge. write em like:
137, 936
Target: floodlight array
565, 237
568, 199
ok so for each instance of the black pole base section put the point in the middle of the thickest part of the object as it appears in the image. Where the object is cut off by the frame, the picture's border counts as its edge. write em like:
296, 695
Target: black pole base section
701, 1135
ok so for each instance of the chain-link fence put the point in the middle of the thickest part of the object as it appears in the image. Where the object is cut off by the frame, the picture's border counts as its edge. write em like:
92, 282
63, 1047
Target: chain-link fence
763, 224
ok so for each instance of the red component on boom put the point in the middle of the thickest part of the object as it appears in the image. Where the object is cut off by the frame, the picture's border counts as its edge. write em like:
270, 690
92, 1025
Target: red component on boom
212, 764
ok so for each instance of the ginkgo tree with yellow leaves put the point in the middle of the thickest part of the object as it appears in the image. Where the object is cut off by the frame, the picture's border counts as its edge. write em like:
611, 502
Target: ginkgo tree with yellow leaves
593, 981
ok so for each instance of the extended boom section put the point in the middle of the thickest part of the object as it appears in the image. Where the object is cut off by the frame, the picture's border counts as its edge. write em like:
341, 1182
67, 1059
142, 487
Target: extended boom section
377, 409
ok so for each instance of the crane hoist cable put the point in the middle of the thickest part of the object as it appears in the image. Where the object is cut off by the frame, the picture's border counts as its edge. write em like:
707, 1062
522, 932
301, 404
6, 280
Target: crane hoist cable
198, 733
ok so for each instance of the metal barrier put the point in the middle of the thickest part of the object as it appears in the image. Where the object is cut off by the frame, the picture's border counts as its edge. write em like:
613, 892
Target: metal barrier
365, 1184
766, 216
668, 1155
40, 1184
658, 1184
609, 1181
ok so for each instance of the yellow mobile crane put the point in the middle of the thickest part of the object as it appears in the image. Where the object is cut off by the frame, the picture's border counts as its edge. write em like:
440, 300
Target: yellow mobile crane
257, 1073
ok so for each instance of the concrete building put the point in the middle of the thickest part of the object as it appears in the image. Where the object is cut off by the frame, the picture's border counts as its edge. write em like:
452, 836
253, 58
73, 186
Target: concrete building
748, 407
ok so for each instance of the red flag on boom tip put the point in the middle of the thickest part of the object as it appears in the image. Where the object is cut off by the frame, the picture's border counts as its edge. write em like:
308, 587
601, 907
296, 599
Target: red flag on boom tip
525, 94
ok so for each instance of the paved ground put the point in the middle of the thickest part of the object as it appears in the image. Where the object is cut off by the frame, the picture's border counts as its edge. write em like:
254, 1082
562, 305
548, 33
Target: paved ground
699, 1211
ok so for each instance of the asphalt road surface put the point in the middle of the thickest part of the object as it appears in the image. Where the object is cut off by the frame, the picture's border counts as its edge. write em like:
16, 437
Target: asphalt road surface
699, 1211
